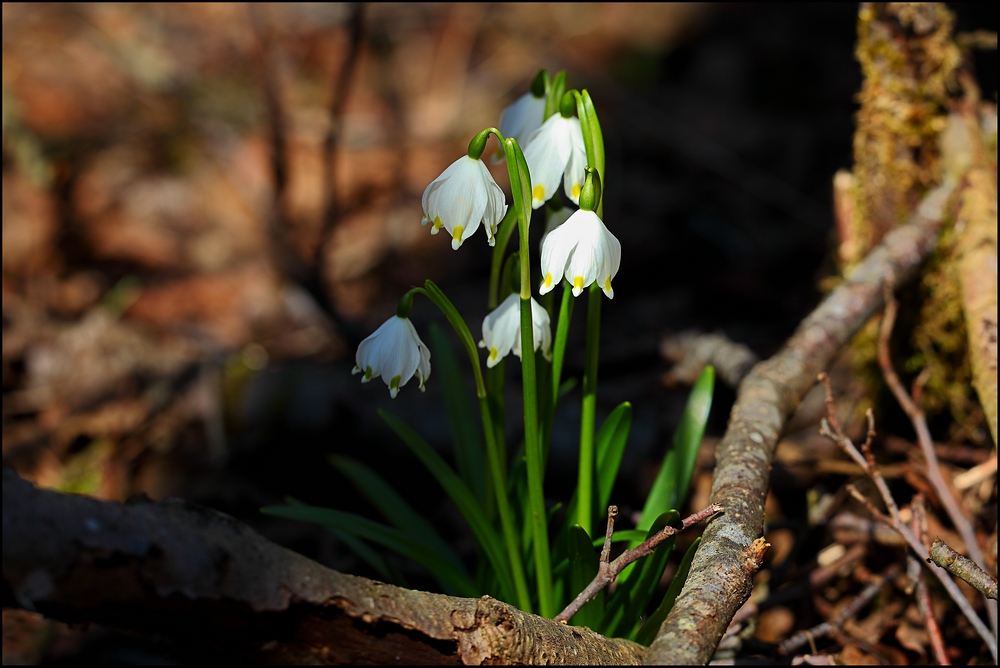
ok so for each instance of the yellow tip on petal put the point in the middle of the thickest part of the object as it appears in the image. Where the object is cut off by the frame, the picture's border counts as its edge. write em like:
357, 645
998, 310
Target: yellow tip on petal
456, 237
578, 283
493, 353
607, 284
548, 280
538, 193
576, 191
437, 225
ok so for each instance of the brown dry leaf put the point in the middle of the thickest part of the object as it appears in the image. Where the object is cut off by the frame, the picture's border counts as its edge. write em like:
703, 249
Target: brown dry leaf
912, 638
774, 624
29, 226
852, 655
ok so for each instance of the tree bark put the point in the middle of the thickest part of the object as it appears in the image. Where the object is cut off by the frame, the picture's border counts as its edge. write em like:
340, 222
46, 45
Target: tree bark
214, 589
721, 575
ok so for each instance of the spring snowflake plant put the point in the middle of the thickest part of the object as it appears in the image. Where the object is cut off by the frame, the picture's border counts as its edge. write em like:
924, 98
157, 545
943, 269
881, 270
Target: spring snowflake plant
535, 556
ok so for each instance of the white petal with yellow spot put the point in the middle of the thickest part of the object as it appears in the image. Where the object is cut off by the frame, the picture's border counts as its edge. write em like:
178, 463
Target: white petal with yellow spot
395, 352
502, 330
551, 152
462, 198
583, 251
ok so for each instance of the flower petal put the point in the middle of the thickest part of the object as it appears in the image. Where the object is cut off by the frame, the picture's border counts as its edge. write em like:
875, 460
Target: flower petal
556, 250
459, 200
522, 117
575, 173
501, 329
547, 152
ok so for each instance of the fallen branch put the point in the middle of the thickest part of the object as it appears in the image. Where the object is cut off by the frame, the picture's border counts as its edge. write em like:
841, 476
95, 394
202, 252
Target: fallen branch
691, 352
216, 590
607, 570
719, 582
953, 562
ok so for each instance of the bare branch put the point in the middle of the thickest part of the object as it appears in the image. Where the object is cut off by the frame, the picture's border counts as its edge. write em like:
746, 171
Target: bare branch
718, 583
953, 562
607, 572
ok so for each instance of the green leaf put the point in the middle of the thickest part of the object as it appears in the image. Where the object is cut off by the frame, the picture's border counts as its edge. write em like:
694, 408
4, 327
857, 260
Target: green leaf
583, 564
674, 479
461, 496
465, 429
388, 537
637, 582
394, 508
611, 441
651, 627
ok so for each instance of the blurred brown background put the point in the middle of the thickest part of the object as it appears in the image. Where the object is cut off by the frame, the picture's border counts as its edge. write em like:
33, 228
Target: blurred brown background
185, 276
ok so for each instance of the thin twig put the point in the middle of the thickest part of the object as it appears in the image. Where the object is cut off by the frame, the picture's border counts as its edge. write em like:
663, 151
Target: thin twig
896, 522
944, 556
926, 443
922, 594
608, 571
850, 610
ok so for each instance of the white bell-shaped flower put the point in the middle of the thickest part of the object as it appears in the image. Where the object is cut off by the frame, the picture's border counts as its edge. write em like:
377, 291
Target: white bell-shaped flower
395, 352
583, 250
555, 219
502, 330
522, 117
464, 196
555, 152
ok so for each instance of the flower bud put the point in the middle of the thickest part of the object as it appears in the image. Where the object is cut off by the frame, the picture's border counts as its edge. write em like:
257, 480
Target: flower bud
590, 194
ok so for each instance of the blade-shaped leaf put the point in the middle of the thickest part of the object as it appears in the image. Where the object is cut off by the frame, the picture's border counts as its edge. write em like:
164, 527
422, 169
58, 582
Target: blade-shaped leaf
674, 478
651, 626
388, 537
394, 508
583, 563
461, 496
466, 433
611, 439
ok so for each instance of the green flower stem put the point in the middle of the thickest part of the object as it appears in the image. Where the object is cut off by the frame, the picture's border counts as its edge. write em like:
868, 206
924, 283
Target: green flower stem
585, 480
520, 184
434, 293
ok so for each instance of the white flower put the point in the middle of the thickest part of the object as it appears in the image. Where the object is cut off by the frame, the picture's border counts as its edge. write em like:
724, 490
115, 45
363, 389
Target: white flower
522, 117
556, 218
555, 151
464, 196
395, 352
502, 330
583, 250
